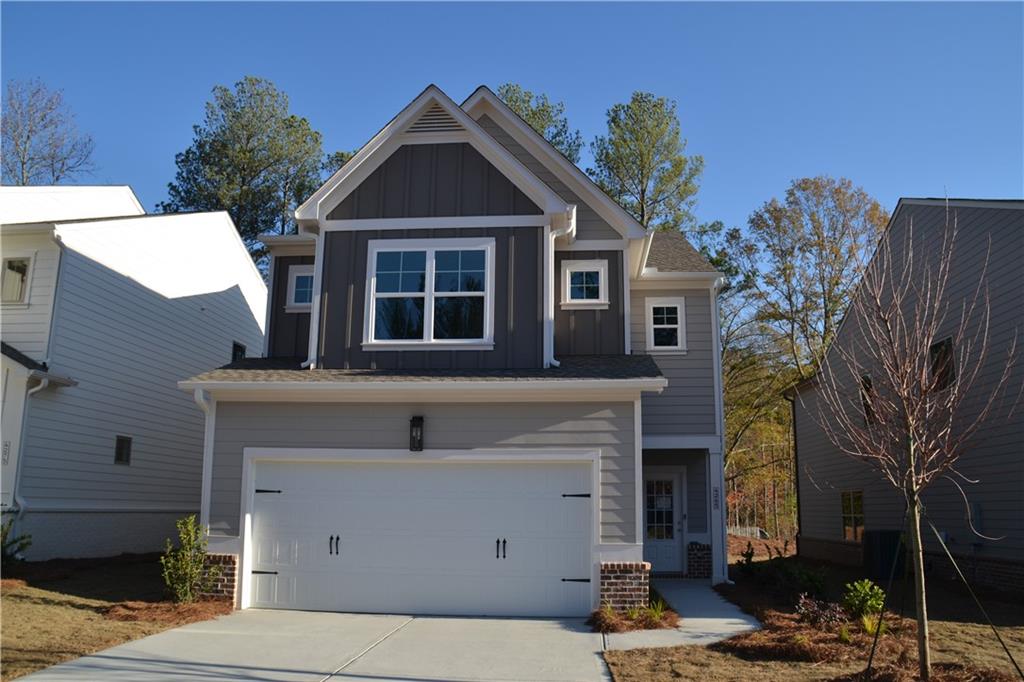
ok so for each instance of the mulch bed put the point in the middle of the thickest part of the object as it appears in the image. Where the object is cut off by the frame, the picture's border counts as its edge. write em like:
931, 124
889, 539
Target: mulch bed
167, 612
11, 584
609, 621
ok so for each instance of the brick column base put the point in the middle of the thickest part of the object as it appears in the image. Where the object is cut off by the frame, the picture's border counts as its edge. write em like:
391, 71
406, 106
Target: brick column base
698, 560
625, 584
228, 580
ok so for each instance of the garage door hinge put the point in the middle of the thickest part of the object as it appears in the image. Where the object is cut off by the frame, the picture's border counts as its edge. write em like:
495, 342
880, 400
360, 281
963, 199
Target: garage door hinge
575, 494
264, 490
264, 572
575, 580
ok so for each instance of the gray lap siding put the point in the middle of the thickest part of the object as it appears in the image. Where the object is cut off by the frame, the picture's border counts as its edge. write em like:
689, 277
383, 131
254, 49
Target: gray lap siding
607, 427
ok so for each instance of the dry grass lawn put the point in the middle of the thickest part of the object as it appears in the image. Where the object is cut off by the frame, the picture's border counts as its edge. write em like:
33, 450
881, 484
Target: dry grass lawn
59, 610
791, 652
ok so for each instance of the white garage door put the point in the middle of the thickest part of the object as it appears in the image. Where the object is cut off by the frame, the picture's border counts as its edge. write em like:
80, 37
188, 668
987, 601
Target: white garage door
431, 538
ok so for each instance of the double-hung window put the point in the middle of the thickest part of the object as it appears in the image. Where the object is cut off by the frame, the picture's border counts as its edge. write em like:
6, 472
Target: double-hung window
853, 515
432, 292
15, 279
585, 284
300, 288
666, 325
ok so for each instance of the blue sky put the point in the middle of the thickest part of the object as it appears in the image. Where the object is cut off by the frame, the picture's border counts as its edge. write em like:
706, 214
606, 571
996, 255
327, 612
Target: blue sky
918, 99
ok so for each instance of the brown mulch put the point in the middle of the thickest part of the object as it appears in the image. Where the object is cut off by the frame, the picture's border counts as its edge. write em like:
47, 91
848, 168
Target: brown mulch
608, 620
10, 584
941, 672
168, 613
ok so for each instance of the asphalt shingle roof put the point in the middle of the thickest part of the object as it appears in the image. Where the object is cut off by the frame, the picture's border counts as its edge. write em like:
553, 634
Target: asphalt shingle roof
595, 367
671, 252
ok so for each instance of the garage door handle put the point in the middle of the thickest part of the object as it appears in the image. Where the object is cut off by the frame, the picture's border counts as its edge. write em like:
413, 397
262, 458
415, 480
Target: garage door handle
497, 548
503, 549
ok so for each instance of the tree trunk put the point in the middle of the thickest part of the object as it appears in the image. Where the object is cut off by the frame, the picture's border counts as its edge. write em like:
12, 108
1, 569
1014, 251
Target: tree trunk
923, 654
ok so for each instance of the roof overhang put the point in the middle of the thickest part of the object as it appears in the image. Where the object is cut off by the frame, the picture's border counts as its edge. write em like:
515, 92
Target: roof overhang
491, 391
394, 135
485, 101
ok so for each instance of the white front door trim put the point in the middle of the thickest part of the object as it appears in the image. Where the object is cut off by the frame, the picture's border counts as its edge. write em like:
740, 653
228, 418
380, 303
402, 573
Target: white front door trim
680, 520
252, 455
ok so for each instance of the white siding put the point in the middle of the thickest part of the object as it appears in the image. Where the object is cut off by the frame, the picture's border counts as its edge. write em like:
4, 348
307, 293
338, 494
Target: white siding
27, 327
142, 304
687, 405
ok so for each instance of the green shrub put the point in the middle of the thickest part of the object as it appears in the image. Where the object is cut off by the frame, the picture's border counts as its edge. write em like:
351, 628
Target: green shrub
863, 597
844, 634
872, 622
657, 610
184, 567
13, 547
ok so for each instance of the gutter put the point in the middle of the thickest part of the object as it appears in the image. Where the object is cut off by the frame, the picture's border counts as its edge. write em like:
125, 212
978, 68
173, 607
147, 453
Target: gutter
648, 240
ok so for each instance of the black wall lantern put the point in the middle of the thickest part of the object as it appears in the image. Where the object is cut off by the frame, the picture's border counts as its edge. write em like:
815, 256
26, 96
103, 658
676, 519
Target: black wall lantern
416, 434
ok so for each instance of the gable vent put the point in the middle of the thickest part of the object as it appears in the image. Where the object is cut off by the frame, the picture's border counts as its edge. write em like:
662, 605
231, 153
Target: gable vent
435, 120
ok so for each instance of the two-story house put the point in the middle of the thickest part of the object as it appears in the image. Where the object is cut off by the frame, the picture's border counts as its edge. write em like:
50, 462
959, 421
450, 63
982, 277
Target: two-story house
103, 309
487, 389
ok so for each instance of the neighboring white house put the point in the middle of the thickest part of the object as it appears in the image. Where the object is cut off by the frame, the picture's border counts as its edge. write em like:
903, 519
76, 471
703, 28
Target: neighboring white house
103, 309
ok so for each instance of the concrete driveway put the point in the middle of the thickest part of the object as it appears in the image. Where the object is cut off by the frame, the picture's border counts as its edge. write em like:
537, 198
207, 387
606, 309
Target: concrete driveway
305, 646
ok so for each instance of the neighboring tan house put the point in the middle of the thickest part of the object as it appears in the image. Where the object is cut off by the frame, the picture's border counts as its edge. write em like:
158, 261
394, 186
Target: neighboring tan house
488, 389
840, 499
104, 309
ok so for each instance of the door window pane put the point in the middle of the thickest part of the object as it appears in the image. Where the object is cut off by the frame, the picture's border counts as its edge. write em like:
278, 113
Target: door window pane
660, 510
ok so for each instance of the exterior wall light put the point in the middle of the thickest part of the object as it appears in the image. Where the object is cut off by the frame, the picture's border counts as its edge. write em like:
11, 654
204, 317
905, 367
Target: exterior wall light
416, 434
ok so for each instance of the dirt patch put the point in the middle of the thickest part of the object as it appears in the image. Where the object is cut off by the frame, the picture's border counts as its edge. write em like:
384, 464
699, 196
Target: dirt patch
168, 613
10, 585
738, 545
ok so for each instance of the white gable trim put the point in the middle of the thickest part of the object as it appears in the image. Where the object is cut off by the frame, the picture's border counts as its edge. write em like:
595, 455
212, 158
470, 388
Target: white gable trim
394, 135
484, 101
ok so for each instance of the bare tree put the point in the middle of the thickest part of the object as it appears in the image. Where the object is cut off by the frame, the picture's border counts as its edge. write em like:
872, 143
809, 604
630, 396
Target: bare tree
895, 389
41, 144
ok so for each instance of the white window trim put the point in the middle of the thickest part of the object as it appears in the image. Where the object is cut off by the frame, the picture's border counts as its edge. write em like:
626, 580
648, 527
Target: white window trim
571, 266
430, 246
294, 272
650, 304
26, 294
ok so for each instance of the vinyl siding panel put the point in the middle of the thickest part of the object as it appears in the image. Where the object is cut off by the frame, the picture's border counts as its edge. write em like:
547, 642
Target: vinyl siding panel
994, 458
589, 225
687, 405
456, 426
127, 346
27, 328
434, 180
518, 323
591, 332
289, 331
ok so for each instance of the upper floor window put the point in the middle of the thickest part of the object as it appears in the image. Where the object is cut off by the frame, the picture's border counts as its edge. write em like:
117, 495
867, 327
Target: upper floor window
853, 515
237, 351
300, 288
123, 450
435, 291
943, 363
666, 325
585, 284
867, 396
15, 280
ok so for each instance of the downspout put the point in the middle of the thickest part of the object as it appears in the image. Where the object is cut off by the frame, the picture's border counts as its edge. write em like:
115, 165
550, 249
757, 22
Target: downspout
18, 499
566, 230
208, 406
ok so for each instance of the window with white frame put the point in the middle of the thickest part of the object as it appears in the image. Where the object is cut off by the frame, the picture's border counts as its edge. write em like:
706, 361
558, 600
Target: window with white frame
666, 325
300, 288
585, 284
15, 279
431, 291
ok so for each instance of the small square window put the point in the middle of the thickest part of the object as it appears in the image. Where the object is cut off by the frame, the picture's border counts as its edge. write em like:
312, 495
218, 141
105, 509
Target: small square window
585, 284
666, 325
300, 288
123, 450
237, 351
15, 280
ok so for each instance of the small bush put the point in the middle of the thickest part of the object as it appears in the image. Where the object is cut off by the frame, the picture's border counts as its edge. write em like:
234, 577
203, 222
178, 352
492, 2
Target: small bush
863, 597
13, 547
872, 622
819, 613
184, 567
844, 634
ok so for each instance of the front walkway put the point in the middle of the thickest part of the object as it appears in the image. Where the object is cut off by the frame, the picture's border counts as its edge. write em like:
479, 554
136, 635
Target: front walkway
705, 617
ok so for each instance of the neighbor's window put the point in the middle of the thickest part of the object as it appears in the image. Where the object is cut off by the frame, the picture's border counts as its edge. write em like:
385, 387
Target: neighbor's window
123, 450
943, 363
666, 325
237, 351
853, 515
867, 394
584, 284
430, 291
15, 280
300, 288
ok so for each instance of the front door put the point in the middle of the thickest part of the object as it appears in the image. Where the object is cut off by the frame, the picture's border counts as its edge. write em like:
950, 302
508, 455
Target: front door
663, 521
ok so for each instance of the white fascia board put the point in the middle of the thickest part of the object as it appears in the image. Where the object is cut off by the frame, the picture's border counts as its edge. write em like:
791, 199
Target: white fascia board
27, 228
380, 147
485, 101
562, 390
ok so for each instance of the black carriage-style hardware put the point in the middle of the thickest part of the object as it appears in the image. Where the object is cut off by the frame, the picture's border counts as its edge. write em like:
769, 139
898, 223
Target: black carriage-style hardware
264, 572
497, 548
575, 580
333, 544
264, 490
503, 543
575, 494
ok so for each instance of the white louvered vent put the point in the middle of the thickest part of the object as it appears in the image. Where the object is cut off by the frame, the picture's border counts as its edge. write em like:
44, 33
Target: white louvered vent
435, 120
